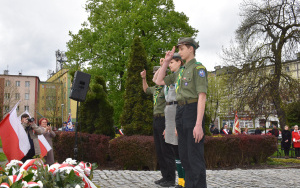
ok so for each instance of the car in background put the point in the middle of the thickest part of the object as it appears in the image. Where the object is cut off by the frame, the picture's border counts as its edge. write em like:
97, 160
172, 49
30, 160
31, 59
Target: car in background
270, 133
251, 131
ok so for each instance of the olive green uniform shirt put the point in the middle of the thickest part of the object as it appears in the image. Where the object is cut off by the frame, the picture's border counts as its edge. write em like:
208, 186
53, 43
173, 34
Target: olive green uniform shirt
159, 101
193, 81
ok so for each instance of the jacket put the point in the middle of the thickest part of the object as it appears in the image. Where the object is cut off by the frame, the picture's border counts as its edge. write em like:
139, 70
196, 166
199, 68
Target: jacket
34, 131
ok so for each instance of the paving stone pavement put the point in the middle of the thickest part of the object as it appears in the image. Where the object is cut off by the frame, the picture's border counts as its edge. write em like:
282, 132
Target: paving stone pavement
215, 178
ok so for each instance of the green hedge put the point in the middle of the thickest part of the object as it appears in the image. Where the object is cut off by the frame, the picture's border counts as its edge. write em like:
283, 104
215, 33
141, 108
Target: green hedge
91, 147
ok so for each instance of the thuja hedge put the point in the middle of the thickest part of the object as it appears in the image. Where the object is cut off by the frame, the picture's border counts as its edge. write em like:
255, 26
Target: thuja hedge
138, 152
91, 147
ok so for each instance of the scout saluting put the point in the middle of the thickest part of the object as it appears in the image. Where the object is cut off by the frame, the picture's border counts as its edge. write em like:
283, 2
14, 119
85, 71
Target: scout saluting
164, 151
191, 88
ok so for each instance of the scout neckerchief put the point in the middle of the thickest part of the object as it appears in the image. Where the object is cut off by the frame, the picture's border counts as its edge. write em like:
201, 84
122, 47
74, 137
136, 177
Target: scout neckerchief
158, 89
179, 78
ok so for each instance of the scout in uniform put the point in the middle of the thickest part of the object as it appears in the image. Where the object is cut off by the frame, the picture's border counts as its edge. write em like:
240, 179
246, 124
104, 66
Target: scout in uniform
191, 88
164, 151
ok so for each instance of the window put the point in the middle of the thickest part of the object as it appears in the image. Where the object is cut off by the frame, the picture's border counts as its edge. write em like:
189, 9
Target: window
42, 86
17, 95
7, 83
27, 83
7, 95
26, 108
18, 83
26, 96
287, 69
6, 109
18, 108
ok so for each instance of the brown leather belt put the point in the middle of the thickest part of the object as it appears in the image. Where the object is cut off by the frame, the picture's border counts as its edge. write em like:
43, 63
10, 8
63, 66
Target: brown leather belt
171, 103
189, 101
159, 115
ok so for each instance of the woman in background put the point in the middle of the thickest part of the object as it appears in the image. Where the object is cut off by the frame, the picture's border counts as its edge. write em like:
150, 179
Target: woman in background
286, 141
296, 141
49, 134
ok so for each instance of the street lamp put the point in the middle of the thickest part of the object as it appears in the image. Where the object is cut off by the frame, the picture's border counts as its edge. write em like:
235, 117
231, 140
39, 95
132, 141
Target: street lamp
62, 114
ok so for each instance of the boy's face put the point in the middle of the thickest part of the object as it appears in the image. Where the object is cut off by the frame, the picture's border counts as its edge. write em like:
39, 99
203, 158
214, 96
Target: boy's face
185, 52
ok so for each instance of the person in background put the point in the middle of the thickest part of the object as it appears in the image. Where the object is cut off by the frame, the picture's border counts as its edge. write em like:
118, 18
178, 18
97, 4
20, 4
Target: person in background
214, 130
296, 141
245, 131
64, 126
49, 135
286, 141
275, 131
257, 131
224, 130
32, 131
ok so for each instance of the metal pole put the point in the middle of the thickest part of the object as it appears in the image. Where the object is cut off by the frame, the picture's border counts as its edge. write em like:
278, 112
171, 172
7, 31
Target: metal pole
62, 114
76, 127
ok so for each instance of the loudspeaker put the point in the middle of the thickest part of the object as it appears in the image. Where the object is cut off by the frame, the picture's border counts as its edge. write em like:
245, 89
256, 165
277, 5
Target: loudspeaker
80, 86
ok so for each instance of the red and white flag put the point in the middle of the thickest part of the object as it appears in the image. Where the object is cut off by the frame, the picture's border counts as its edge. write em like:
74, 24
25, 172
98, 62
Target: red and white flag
15, 141
44, 145
236, 127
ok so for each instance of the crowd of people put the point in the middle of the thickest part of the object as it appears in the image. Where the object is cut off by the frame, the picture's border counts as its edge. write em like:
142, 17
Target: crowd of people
178, 115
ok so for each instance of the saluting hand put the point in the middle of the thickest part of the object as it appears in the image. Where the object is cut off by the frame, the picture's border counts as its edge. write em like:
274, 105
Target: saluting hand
169, 55
143, 74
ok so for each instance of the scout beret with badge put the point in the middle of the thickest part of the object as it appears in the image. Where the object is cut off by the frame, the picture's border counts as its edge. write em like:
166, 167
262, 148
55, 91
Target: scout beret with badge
176, 56
189, 41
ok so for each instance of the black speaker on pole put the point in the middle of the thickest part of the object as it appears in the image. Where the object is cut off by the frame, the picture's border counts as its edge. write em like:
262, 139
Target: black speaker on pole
80, 86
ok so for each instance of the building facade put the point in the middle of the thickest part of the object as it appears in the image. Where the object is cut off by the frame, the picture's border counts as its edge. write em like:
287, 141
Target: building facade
21, 88
222, 98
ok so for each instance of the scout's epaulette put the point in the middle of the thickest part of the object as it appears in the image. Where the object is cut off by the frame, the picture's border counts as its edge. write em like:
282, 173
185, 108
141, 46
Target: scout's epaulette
199, 65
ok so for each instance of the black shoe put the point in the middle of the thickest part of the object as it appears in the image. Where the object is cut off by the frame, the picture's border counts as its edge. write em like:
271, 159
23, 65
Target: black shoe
178, 186
167, 184
159, 181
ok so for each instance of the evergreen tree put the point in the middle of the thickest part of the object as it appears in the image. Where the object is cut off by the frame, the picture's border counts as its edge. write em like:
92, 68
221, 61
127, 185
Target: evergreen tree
137, 112
96, 112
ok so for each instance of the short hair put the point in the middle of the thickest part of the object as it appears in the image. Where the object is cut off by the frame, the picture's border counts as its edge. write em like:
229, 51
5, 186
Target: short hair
24, 116
40, 121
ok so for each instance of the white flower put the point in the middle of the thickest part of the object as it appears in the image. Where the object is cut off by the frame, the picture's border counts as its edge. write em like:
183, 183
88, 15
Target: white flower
13, 163
40, 184
24, 184
77, 186
70, 161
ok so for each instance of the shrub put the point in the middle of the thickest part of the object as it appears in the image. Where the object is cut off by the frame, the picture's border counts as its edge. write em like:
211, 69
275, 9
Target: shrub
238, 150
133, 152
91, 147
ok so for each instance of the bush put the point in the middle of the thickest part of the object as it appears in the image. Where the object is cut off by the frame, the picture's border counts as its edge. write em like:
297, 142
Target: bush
133, 152
238, 150
91, 147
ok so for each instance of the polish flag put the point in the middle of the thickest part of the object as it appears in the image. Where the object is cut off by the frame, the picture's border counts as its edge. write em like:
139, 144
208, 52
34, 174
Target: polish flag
15, 141
44, 145
236, 127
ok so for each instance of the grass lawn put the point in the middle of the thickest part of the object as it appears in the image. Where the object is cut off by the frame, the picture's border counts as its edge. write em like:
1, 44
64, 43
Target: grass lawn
2, 157
0, 143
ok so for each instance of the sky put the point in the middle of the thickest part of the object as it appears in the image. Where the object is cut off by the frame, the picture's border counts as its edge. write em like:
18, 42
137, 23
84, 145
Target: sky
32, 30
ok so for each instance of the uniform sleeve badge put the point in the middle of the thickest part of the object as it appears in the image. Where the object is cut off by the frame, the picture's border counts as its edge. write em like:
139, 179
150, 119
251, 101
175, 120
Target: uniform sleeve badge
201, 73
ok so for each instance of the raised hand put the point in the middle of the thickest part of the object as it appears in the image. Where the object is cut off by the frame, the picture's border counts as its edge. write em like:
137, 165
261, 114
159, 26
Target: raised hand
169, 55
143, 74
